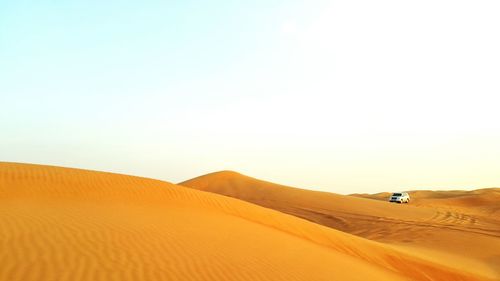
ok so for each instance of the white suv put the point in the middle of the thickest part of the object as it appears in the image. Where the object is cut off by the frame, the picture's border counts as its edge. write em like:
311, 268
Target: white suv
401, 197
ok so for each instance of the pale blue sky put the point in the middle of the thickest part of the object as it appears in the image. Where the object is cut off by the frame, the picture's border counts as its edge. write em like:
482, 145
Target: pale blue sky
343, 96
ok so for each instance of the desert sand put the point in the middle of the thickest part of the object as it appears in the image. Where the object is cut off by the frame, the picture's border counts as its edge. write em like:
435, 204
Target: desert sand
70, 224
458, 228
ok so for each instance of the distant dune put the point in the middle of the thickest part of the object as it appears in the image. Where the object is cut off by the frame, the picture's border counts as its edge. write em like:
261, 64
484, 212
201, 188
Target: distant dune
459, 232
69, 224
484, 200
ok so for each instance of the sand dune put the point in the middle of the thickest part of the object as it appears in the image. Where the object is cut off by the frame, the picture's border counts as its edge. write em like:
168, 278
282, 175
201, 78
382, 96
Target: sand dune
69, 224
480, 200
433, 231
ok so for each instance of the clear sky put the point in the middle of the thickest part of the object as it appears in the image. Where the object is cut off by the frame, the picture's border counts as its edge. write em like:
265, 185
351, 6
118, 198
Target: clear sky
342, 96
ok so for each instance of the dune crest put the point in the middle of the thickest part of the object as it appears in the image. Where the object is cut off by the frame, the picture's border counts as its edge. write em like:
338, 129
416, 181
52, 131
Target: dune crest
421, 229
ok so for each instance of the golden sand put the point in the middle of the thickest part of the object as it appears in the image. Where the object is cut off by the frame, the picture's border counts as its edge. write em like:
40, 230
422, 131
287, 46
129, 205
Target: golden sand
460, 229
69, 224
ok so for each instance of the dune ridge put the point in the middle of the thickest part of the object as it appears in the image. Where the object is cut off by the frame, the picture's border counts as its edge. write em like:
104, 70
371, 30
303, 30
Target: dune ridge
446, 233
70, 224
